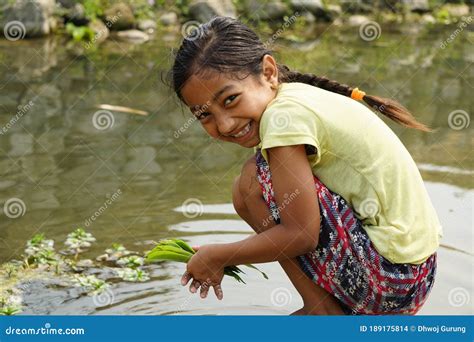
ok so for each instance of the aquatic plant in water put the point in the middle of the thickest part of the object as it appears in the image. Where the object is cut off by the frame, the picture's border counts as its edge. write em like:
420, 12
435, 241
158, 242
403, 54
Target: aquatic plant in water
134, 275
178, 250
79, 240
90, 283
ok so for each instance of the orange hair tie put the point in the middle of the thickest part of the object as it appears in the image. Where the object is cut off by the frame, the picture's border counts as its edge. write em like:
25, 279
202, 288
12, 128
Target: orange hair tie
357, 94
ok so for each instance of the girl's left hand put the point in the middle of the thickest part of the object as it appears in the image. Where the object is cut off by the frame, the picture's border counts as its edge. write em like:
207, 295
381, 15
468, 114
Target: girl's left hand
205, 271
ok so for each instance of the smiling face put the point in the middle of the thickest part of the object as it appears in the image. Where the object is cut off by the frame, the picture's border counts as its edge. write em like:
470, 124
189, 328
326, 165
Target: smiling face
230, 109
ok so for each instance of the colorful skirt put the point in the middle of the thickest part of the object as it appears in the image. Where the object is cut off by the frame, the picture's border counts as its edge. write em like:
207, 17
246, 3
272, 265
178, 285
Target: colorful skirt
346, 264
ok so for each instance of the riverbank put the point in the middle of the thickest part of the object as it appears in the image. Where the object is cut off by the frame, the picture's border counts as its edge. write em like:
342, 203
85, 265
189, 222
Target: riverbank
91, 22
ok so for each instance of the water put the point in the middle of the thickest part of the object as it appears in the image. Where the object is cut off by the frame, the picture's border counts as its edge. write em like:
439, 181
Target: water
64, 169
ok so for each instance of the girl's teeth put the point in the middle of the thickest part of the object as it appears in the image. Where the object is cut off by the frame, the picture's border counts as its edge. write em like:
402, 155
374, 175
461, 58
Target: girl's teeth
243, 132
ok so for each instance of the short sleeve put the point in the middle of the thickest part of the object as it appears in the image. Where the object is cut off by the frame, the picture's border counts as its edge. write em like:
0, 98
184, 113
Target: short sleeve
287, 123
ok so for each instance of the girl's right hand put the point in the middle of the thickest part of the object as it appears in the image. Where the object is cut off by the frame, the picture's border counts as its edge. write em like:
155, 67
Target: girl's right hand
205, 283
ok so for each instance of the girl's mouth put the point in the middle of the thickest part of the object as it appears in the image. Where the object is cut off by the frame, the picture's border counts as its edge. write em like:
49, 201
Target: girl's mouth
244, 133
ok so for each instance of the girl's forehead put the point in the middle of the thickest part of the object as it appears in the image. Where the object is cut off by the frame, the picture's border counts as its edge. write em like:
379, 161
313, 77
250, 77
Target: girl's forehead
199, 90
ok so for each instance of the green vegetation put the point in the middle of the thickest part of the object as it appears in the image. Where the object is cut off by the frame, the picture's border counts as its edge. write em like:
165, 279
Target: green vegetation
180, 251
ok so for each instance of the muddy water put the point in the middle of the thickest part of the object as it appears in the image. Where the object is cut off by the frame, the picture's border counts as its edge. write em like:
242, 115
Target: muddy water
64, 168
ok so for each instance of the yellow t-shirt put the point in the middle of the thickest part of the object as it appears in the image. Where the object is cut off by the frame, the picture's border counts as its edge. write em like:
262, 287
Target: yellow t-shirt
359, 157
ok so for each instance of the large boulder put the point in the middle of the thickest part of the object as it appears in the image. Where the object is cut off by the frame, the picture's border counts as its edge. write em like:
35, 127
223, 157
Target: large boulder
30, 18
273, 10
417, 6
120, 16
315, 7
202, 11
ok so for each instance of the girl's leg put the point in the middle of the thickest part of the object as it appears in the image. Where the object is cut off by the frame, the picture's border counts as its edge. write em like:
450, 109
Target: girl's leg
247, 194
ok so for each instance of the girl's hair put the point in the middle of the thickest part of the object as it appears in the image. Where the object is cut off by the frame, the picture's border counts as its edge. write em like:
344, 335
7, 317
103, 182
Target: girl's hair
226, 45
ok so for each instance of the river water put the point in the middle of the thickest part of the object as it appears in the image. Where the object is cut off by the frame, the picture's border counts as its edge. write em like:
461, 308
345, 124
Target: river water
64, 168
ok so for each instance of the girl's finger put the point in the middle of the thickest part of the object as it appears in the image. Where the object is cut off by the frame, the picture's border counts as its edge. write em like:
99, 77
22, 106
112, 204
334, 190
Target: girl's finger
186, 278
204, 289
218, 291
194, 286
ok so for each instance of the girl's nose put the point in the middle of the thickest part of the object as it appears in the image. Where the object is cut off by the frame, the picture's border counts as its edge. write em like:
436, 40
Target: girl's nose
225, 125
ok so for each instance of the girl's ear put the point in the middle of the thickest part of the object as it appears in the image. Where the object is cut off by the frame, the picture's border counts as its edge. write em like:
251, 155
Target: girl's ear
270, 71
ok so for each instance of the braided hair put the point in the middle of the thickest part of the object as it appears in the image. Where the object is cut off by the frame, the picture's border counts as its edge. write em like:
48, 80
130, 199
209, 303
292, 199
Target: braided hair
226, 45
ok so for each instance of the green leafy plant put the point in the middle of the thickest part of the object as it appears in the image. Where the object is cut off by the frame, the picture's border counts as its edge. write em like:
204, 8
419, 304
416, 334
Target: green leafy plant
79, 33
178, 250
134, 275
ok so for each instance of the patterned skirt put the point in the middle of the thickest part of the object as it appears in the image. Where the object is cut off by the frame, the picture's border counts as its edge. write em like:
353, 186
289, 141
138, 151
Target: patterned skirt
346, 264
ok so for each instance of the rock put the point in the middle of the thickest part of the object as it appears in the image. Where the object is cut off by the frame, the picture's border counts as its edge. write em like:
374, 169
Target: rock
101, 31
203, 11
428, 19
273, 10
457, 11
77, 15
28, 18
335, 10
358, 6
357, 20
147, 25
417, 6
66, 3
120, 16
315, 7
169, 19
135, 36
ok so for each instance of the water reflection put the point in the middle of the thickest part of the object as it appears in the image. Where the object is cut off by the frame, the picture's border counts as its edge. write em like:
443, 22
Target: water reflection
63, 168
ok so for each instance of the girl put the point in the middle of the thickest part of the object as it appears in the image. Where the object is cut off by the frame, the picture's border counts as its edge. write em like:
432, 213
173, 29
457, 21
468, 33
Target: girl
331, 191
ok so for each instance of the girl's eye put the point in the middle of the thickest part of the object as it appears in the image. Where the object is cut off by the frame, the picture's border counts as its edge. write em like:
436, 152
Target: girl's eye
202, 115
229, 100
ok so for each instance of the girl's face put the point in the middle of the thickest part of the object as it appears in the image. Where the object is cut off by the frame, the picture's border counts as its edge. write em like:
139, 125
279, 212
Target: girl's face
230, 109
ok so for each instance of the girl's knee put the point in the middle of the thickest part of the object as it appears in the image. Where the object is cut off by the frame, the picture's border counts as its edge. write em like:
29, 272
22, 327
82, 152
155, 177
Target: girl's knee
237, 198
249, 187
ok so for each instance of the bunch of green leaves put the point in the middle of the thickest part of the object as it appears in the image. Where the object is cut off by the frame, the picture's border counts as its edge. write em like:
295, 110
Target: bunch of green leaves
178, 250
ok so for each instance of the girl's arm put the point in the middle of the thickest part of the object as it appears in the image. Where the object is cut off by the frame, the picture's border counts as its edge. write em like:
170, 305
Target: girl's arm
297, 202
297, 233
